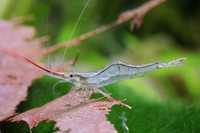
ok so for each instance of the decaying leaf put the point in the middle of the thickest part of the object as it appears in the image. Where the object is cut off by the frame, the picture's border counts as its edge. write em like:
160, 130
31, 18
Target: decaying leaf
73, 112
16, 76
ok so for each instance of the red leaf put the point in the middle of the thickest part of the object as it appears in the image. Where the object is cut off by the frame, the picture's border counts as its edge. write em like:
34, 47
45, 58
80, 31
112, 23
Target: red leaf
15, 76
72, 114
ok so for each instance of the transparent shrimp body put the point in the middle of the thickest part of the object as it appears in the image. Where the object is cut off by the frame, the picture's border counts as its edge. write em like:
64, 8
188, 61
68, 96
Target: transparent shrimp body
119, 71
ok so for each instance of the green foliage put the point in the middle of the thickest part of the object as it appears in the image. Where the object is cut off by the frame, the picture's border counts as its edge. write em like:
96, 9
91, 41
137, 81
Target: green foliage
166, 101
42, 91
149, 115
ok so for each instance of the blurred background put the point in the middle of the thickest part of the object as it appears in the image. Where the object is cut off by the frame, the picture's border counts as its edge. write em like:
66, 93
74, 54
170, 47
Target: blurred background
163, 101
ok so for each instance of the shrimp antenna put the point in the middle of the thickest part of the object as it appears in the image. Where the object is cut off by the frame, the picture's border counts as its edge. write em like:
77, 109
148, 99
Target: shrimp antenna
19, 56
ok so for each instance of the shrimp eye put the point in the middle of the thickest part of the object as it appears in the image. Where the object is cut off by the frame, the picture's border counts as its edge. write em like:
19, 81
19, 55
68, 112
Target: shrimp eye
70, 75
